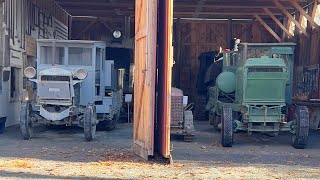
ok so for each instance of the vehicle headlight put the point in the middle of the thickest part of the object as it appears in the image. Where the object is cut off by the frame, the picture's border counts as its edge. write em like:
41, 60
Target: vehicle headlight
30, 72
81, 74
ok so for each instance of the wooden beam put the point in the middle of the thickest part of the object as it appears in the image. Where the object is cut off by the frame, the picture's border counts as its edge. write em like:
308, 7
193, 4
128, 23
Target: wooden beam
127, 27
303, 12
279, 5
106, 25
314, 11
224, 13
222, 6
268, 28
178, 52
276, 20
70, 27
229, 32
198, 8
85, 29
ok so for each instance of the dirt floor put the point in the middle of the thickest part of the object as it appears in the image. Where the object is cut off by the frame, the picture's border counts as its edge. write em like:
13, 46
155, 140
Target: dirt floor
63, 154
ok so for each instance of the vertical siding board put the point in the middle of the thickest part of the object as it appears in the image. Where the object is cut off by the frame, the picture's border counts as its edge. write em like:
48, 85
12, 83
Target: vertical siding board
144, 77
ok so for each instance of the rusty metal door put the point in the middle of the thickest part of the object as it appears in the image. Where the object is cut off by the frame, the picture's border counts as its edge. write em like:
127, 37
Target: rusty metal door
144, 77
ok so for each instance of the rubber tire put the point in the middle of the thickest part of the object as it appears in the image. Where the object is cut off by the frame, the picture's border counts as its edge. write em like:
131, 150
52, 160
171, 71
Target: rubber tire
89, 124
299, 140
108, 125
227, 127
111, 125
25, 120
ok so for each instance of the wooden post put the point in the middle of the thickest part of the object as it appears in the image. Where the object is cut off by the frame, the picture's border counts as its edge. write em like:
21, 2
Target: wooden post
127, 29
85, 29
178, 53
229, 35
70, 27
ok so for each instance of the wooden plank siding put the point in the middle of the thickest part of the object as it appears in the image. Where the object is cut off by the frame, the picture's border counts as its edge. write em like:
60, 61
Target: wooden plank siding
51, 7
144, 77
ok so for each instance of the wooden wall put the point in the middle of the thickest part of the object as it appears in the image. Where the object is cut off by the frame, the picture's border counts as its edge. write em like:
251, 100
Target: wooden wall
308, 49
51, 7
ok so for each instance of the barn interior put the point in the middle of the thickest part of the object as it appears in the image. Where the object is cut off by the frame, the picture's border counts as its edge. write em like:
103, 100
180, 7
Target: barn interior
200, 29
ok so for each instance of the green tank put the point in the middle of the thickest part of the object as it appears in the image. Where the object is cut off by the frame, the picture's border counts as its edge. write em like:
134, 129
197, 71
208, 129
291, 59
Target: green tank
226, 82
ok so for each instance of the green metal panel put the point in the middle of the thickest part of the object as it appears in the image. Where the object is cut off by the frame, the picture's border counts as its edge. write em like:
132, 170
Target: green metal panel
282, 50
265, 61
264, 114
265, 87
239, 85
268, 84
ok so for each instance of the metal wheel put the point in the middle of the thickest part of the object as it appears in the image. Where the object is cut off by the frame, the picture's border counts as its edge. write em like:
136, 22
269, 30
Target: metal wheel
299, 138
227, 127
89, 123
25, 120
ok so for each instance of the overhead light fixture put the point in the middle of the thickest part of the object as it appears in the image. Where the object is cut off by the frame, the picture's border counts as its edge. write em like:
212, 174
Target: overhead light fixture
117, 34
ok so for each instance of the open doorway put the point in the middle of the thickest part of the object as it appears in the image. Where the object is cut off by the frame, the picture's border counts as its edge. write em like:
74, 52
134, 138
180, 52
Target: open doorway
123, 63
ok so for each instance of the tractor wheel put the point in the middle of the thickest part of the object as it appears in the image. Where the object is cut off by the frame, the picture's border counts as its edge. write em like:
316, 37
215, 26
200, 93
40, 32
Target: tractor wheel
227, 127
89, 123
25, 120
216, 121
211, 118
301, 127
113, 122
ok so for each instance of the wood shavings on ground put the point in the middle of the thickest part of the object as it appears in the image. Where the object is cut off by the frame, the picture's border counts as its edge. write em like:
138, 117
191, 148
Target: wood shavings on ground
121, 165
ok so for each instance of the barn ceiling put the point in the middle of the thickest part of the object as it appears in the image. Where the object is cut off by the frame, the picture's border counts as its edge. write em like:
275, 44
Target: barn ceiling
237, 9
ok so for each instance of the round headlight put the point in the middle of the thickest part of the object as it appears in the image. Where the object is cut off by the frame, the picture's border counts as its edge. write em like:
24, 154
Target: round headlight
81, 74
30, 72
117, 34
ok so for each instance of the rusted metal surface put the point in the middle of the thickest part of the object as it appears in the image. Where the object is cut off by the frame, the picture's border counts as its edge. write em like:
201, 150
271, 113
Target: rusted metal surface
164, 83
306, 83
176, 108
144, 77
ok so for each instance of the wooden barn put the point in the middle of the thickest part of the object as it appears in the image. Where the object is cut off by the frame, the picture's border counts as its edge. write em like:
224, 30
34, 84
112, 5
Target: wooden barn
166, 41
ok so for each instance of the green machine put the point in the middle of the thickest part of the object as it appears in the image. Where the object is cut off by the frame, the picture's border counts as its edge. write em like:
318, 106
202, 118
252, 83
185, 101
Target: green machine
253, 93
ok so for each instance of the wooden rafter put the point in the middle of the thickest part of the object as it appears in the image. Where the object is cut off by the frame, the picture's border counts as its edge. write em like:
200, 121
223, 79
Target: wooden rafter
283, 9
86, 28
106, 25
276, 20
303, 12
235, 14
314, 11
268, 28
199, 7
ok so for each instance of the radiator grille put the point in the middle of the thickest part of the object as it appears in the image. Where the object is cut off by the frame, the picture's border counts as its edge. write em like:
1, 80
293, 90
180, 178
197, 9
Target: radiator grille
265, 69
55, 78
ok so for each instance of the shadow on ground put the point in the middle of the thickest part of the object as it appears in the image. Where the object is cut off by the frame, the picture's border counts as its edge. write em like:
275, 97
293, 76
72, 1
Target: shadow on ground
69, 145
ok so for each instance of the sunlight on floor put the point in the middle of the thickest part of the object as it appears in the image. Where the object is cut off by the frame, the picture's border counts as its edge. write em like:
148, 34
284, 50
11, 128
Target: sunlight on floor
44, 169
